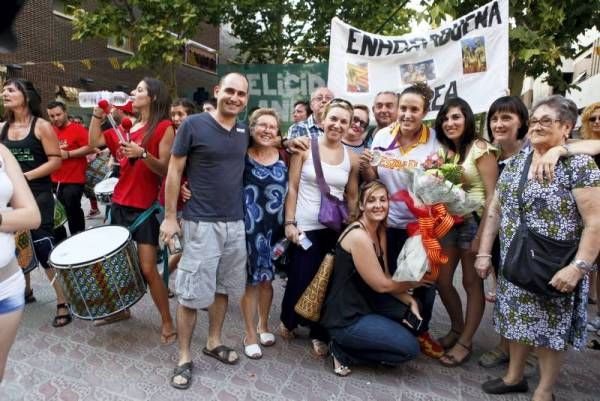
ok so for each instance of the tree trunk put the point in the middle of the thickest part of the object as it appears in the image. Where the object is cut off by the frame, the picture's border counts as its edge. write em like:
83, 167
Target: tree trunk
515, 81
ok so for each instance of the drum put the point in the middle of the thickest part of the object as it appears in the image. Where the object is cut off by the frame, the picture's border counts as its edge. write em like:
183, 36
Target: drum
104, 190
25, 251
99, 271
60, 214
97, 170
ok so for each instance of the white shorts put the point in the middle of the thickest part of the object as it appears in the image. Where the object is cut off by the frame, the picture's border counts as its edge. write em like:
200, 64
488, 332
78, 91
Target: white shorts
213, 261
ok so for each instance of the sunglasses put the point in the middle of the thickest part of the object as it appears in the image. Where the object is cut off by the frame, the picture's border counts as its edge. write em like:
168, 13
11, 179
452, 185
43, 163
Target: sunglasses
593, 119
361, 123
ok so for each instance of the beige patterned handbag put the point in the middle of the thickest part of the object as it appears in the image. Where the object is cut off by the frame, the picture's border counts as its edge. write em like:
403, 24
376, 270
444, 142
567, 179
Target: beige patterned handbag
309, 304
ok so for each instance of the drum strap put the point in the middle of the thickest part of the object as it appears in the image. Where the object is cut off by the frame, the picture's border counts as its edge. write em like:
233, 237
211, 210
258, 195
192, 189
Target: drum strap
138, 222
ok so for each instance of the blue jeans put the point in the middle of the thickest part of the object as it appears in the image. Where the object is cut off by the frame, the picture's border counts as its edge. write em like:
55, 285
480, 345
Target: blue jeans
396, 237
373, 339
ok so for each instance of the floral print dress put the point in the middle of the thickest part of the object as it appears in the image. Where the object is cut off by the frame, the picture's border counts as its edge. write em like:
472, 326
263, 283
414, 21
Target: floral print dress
265, 188
550, 210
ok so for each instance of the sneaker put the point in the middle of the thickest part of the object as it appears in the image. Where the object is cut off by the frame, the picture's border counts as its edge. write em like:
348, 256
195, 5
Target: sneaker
92, 213
594, 325
429, 346
493, 358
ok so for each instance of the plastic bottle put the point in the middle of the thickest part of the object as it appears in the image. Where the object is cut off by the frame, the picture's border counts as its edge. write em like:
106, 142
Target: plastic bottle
279, 248
91, 99
489, 286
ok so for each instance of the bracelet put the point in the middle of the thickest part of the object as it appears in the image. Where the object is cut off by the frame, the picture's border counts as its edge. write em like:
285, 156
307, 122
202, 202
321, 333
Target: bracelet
483, 255
582, 265
566, 148
290, 222
98, 117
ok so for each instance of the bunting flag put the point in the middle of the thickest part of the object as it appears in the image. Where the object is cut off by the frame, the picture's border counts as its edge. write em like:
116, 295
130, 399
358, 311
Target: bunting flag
87, 63
59, 65
115, 63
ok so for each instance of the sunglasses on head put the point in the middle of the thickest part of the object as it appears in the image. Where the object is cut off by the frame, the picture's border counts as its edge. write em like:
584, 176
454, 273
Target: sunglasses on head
338, 100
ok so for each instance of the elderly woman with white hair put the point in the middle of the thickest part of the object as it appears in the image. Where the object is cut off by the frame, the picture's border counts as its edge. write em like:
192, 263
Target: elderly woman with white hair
550, 314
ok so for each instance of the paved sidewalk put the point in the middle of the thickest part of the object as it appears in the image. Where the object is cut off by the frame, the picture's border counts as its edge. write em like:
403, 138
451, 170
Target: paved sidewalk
125, 361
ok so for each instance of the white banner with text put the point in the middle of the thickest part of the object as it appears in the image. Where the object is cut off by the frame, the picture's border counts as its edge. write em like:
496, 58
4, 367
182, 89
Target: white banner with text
467, 57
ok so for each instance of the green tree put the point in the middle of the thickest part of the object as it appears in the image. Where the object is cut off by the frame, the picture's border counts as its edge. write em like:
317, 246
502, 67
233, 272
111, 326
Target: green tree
157, 28
284, 31
542, 32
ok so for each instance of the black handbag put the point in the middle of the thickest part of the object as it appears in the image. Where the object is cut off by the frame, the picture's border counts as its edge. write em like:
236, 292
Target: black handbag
533, 259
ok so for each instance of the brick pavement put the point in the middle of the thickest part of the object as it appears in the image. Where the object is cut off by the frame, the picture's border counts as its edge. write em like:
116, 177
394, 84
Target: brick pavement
125, 361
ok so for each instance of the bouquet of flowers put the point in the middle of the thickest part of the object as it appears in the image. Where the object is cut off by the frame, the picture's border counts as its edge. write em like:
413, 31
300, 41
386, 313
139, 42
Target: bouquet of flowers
435, 196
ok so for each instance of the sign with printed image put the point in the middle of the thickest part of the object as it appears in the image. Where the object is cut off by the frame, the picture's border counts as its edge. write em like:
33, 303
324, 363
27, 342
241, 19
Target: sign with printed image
467, 57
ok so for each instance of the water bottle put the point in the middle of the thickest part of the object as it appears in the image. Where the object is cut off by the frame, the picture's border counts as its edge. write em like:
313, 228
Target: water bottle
91, 99
489, 286
279, 248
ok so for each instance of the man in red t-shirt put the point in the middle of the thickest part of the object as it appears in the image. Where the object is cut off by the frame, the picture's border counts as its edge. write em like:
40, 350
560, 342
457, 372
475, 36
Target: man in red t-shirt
69, 179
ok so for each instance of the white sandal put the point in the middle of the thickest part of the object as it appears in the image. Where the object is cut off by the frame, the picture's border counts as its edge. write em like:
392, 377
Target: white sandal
340, 370
266, 339
252, 351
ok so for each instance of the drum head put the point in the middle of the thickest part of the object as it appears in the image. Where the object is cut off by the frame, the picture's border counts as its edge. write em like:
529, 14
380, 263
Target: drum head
106, 186
88, 246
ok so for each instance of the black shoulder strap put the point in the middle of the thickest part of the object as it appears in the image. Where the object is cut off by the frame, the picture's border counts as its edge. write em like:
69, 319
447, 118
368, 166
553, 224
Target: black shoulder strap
521, 187
348, 230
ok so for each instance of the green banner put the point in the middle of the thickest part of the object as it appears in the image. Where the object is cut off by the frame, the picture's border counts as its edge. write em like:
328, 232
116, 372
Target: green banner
279, 86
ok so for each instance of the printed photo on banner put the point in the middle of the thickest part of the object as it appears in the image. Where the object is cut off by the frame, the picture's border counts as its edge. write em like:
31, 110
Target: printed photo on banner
466, 57
473, 55
357, 77
418, 72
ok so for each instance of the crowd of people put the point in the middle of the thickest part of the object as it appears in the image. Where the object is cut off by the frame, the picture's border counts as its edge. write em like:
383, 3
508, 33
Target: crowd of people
235, 192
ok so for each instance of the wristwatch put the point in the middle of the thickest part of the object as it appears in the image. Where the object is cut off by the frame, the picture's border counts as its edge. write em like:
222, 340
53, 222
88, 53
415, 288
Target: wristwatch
144, 154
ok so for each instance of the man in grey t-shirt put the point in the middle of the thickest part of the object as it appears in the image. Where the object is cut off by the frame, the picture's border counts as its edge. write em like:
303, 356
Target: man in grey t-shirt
211, 148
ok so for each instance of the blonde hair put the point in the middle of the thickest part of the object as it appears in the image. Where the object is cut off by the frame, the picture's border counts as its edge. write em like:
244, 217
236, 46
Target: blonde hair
586, 129
366, 189
341, 103
263, 112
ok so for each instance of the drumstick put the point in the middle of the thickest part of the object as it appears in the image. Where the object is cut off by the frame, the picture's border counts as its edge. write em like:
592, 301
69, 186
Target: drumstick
105, 106
126, 124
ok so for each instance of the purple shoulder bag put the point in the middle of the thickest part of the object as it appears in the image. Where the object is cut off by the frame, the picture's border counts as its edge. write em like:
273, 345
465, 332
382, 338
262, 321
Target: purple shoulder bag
333, 212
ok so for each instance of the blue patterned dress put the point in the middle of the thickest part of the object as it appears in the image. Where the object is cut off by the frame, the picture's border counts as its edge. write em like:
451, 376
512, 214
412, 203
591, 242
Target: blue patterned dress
550, 209
265, 188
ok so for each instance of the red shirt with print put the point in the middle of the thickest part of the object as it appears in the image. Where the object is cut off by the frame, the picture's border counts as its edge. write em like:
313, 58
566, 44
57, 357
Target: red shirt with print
138, 185
72, 170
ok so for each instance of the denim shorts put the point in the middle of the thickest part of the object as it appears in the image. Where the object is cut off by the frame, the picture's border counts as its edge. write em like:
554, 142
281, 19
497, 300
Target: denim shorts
13, 292
461, 235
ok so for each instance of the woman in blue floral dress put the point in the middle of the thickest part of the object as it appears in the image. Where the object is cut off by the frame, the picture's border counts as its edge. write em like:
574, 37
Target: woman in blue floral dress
562, 208
265, 187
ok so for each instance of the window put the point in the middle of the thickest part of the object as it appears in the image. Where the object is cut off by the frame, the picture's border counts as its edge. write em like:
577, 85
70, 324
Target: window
61, 9
123, 45
200, 56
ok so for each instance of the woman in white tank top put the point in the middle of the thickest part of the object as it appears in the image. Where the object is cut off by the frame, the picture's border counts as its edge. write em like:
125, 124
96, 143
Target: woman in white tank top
22, 214
303, 201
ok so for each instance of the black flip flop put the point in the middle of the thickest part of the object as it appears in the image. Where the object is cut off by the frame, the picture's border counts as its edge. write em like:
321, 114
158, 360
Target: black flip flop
593, 344
184, 371
62, 320
221, 353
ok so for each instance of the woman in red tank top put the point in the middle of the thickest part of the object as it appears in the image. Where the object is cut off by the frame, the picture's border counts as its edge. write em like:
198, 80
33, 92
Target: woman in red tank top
143, 160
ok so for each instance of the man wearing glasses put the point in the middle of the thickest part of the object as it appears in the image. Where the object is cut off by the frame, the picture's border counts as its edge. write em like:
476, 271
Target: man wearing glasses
311, 127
